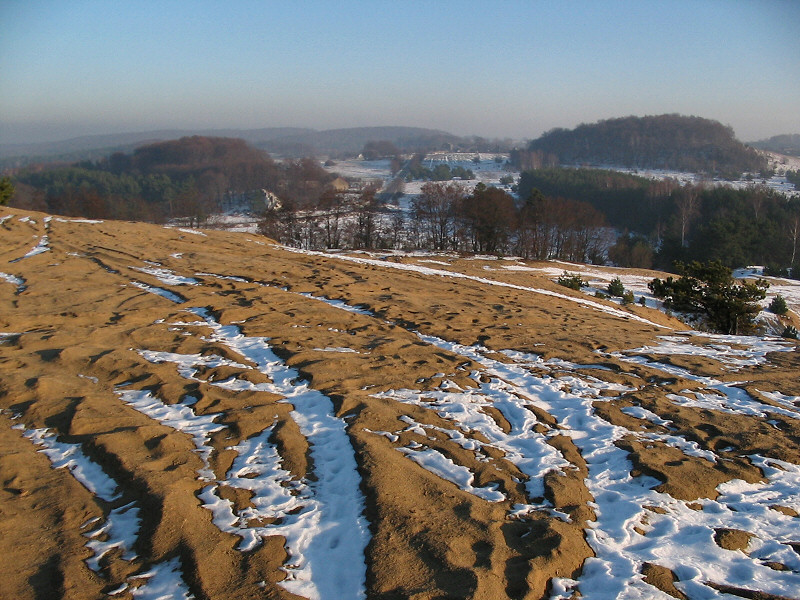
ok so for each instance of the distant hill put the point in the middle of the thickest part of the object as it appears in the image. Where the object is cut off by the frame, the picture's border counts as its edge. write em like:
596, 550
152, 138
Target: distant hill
782, 144
93, 147
673, 142
290, 142
350, 141
189, 176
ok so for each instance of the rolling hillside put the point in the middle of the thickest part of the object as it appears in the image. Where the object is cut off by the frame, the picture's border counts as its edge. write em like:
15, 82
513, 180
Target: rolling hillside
202, 414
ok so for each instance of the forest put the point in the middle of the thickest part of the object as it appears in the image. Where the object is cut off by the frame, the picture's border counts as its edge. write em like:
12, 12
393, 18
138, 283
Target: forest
447, 217
672, 142
663, 222
190, 177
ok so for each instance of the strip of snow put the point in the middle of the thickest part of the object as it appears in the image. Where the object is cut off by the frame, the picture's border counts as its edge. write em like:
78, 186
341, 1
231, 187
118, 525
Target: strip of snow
39, 248
159, 292
228, 277
435, 262
438, 464
442, 273
164, 581
389, 436
340, 304
93, 221
790, 402
327, 539
638, 412
120, 530
7, 335
14, 280
192, 231
119, 590
71, 457
5, 218
166, 276
180, 417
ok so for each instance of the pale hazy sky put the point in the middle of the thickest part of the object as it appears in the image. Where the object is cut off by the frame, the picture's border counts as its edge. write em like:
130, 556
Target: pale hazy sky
496, 69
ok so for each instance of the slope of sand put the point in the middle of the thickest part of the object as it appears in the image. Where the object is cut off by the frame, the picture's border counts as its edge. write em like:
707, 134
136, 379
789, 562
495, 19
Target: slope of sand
208, 415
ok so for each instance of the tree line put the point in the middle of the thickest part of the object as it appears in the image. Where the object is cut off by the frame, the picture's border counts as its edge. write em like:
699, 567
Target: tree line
662, 221
753, 226
446, 216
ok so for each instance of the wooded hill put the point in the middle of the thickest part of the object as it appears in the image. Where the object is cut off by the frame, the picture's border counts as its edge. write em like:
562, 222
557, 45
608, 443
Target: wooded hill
782, 144
189, 177
672, 142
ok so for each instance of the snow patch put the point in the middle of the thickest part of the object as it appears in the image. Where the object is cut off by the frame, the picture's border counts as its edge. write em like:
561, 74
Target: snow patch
158, 292
14, 280
71, 457
180, 417
166, 276
41, 247
164, 581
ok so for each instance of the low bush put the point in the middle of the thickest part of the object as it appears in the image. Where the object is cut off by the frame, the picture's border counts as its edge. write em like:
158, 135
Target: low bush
615, 288
778, 305
570, 280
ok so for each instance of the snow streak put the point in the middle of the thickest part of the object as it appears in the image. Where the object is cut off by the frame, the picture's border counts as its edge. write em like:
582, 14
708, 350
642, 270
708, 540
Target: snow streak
321, 518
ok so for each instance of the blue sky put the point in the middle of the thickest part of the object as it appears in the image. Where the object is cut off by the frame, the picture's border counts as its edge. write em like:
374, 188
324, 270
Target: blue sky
496, 69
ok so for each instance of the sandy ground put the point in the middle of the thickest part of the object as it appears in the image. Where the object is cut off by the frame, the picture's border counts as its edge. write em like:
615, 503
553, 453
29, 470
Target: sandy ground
190, 414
